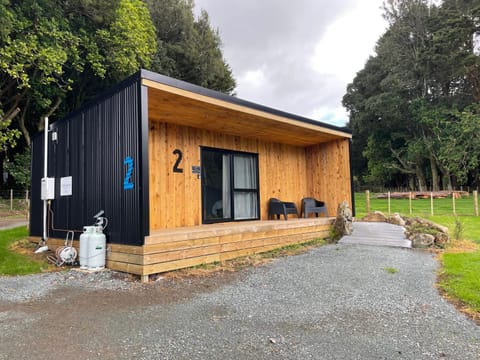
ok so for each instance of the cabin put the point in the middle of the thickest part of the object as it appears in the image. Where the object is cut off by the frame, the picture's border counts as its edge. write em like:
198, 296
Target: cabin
185, 174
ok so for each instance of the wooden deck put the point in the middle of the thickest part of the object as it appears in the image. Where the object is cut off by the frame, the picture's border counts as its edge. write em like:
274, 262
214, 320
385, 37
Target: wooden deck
172, 249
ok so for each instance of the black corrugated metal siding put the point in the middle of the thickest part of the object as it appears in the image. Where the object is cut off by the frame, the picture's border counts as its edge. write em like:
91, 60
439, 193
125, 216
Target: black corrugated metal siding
91, 148
36, 206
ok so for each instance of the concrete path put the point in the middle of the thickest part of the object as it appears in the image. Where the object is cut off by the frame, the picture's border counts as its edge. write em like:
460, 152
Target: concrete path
379, 234
6, 223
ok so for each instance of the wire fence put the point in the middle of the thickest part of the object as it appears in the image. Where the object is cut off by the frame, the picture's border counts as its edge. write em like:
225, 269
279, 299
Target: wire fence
382, 189
14, 202
454, 203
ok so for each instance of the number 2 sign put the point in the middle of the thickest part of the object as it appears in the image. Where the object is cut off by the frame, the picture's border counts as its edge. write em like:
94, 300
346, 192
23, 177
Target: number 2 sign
128, 180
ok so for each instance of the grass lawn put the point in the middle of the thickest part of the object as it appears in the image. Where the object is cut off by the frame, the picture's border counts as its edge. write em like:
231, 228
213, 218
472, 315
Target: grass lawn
12, 263
460, 277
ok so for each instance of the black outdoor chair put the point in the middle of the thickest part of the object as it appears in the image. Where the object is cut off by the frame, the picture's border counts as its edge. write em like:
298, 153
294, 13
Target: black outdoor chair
313, 206
277, 207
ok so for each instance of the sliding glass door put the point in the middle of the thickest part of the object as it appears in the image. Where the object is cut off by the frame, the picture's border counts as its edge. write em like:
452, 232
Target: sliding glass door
229, 185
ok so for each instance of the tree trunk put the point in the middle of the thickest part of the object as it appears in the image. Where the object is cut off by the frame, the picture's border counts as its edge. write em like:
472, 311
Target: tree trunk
23, 128
476, 179
447, 180
411, 183
422, 182
435, 174
454, 182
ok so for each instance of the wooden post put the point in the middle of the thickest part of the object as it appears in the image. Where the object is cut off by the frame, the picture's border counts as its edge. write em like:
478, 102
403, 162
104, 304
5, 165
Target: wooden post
431, 203
389, 203
475, 202
11, 199
453, 204
367, 200
410, 202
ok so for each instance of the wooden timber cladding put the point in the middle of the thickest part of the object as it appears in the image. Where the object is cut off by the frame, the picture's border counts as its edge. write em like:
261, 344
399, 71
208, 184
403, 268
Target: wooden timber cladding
168, 250
286, 172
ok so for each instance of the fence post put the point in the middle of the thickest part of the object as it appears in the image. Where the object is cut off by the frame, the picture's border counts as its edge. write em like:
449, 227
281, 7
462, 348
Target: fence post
453, 204
475, 202
410, 202
11, 199
367, 200
431, 203
389, 204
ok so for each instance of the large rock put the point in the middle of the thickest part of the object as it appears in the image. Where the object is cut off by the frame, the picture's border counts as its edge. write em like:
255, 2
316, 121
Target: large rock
441, 239
343, 224
376, 216
422, 241
440, 228
396, 219
416, 221
422, 231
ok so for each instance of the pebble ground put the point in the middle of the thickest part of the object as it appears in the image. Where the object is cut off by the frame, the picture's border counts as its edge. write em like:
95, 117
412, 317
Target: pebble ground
334, 302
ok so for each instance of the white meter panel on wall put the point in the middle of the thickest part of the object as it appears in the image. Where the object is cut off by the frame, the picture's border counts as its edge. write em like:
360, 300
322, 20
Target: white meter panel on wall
47, 191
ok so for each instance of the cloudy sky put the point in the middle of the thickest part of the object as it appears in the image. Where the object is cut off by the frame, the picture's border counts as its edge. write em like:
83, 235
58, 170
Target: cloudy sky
297, 56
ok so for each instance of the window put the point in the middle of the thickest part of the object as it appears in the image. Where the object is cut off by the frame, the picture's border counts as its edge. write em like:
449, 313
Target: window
229, 185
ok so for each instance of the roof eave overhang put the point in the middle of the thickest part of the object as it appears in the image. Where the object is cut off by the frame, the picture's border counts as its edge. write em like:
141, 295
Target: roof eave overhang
181, 103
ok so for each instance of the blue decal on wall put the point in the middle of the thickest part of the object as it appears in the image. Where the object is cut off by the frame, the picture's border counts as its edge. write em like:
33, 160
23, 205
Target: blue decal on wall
127, 182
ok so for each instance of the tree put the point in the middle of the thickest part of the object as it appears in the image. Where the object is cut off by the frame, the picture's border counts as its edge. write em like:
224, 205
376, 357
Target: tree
19, 169
363, 117
50, 48
128, 42
188, 49
425, 72
454, 138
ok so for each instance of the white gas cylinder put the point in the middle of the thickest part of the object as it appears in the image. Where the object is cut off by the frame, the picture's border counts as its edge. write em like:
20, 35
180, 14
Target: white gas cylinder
97, 244
84, 240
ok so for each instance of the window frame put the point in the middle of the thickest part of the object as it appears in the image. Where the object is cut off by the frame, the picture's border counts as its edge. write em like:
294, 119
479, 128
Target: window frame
231, 154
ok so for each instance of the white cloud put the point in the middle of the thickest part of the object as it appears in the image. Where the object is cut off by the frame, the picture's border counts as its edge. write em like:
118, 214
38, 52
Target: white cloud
253, 78
349, 41
297, 56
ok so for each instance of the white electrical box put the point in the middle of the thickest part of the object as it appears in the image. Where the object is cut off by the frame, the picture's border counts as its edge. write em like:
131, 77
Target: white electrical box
48, 189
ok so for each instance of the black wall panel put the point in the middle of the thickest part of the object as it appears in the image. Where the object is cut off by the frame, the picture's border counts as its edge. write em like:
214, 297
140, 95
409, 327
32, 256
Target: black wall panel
36, 206
92, 147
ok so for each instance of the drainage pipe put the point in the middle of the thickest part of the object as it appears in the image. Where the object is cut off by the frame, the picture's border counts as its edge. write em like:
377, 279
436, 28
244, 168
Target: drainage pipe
45, 175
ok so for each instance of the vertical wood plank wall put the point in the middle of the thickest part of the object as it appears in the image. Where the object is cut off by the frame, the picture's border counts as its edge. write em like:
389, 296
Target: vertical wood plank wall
329, 173
286, 172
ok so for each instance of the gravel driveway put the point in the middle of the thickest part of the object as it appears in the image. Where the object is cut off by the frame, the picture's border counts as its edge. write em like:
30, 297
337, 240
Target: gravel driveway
335, 302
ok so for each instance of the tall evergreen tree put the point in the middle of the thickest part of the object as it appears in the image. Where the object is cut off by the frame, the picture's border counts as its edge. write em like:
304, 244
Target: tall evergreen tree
53, 47
426, 70
187, 48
